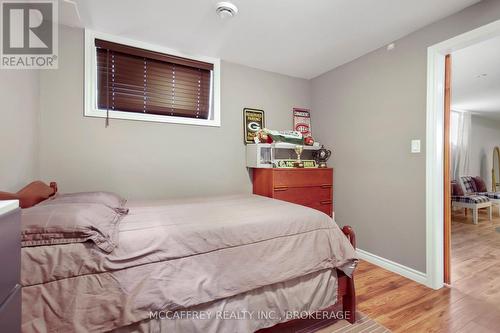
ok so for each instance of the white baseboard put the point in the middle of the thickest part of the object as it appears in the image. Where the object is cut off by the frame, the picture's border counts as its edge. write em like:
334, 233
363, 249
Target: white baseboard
394, 267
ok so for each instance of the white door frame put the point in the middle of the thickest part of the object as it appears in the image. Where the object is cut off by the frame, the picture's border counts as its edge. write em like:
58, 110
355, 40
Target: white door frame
435, 145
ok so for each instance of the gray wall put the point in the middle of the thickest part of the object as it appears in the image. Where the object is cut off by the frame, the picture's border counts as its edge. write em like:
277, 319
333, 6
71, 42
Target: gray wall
367, 111
485, 136
370, 109
19, 128
154, 160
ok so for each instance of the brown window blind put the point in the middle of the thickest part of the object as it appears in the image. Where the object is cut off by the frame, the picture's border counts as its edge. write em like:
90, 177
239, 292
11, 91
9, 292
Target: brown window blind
136, 80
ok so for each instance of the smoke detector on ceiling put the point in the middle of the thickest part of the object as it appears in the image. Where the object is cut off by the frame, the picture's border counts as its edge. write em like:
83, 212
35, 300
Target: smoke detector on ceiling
226, 10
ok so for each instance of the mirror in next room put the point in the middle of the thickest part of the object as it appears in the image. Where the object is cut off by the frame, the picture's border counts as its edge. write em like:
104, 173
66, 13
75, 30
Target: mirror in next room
495, 171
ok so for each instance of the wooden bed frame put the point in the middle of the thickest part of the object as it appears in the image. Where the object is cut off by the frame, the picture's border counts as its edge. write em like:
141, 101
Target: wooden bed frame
346, 303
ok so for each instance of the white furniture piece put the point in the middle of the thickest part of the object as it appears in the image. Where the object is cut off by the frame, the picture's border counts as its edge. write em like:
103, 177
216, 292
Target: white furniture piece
475, 208
471, 188
262, 155
10, 261
494, 202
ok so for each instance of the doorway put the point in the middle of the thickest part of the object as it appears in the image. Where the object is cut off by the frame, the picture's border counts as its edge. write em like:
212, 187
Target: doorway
472, 137
438, 192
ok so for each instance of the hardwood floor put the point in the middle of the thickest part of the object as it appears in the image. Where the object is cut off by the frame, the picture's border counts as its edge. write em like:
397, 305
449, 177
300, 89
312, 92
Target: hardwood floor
470, 305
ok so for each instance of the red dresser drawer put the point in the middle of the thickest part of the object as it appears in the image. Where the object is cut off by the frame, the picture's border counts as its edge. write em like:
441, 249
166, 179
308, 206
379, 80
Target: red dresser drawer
302, 177
307, 187
303, 195
324, 207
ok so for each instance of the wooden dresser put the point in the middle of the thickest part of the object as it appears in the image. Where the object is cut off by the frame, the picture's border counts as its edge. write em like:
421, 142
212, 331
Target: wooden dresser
308, 187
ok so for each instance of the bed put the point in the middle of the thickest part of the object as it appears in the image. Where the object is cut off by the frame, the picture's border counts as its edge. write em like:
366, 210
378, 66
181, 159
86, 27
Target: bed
238, 263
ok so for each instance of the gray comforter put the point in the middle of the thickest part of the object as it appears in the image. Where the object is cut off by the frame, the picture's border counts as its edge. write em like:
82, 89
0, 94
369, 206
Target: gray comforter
177, 254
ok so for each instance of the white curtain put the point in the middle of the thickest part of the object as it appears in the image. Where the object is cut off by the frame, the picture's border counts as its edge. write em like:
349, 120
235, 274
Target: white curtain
460, 143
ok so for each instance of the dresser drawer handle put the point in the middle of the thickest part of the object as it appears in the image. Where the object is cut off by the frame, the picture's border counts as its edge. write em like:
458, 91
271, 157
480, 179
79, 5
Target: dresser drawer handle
326, 186
281, 188
325, 202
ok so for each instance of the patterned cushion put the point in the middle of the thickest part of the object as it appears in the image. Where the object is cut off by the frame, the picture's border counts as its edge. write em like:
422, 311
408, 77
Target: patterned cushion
471, 199
480, 184
469, 184
456, 188
491, 195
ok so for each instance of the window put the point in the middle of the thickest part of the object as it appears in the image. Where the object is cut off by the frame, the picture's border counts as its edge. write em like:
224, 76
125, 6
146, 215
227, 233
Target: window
131, 80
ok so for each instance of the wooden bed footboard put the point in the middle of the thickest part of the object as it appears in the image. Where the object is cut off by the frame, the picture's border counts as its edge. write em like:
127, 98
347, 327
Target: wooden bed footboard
346, 303
346, 284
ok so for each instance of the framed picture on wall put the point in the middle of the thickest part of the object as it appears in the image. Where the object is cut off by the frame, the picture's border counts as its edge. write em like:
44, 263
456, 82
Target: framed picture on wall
253, 121
302, 121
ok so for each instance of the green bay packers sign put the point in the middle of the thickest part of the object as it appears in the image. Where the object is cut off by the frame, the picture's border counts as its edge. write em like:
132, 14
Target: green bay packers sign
253, 121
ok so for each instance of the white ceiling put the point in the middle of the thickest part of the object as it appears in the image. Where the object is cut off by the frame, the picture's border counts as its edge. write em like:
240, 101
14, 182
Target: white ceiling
301, 38
472, 90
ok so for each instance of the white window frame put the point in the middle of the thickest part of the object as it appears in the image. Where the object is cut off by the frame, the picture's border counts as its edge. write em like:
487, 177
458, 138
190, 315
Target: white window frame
91, 109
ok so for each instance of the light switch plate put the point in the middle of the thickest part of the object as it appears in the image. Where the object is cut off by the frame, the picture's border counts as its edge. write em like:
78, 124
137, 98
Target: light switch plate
415, 146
